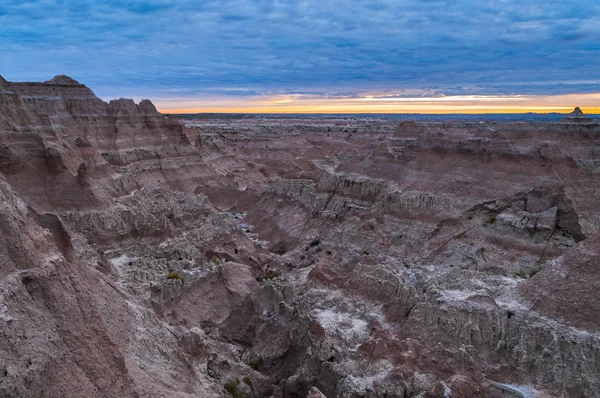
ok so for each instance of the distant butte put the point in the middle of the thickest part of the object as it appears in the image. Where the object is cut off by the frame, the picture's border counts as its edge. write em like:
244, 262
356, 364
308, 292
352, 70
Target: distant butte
577, 116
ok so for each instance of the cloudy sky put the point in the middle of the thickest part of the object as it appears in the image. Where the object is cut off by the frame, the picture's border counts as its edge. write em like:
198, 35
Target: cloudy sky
313, 55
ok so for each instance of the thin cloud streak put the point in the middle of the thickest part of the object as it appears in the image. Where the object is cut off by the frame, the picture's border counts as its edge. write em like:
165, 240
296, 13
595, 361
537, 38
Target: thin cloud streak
452, 104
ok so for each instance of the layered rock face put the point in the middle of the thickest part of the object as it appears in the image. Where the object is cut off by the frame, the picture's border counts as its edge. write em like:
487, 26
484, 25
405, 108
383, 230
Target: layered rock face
141, 256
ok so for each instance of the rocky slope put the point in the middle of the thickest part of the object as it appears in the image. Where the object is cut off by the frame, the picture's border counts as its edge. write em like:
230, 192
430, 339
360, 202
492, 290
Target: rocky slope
144, 257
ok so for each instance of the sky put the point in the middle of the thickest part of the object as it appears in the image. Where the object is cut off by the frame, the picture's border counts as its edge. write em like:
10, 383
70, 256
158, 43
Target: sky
390, 56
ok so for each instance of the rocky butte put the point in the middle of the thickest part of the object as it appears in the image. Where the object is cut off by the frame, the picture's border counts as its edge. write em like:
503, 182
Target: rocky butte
144, 257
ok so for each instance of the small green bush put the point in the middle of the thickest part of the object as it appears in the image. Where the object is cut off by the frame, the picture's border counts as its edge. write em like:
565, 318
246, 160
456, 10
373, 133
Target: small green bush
491, 220
214, 260
470, 217
247, 380
231, 388
521, 274
175, 275
458, 236
255, 363
365, 252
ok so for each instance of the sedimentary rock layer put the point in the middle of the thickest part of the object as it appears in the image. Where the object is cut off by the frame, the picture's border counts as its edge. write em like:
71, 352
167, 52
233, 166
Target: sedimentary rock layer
144, 256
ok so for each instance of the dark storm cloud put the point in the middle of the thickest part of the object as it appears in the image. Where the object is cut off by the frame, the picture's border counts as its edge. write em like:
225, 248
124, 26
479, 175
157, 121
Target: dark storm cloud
242, 47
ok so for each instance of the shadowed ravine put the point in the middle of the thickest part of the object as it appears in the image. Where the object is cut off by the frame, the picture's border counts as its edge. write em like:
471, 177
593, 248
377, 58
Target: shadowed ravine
144, 256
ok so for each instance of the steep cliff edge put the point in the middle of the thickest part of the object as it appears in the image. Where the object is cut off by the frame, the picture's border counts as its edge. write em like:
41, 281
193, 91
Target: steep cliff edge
141, 257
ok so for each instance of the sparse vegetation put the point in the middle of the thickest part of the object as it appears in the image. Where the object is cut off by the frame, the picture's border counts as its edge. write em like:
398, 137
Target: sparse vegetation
491, 220
365, 252
458, 236
175, 275
521, 274
470, 217
315, 242
232, 389
215, 260
268, 275
247, 380
255, 363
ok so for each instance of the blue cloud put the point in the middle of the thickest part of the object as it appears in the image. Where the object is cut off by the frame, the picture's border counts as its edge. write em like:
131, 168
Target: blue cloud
159, 48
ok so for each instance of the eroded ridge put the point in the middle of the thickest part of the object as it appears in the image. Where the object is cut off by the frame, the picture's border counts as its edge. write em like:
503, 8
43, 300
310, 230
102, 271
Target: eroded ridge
146, 256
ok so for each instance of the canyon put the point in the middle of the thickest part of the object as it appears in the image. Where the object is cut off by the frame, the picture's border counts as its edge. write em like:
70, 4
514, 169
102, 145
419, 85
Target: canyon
144, 255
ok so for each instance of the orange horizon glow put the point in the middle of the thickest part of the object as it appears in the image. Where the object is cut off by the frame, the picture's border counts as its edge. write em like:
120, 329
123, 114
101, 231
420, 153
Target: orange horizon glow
473, 104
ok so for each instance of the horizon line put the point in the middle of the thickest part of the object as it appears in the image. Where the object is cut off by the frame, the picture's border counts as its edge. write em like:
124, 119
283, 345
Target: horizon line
238, 111
447, 105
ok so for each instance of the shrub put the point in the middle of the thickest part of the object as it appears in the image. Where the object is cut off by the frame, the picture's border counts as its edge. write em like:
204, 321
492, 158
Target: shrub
315, 242
175, 275
231, 388
470, 217
458, 236
521, 274
268, 275
255, 363
214, 260
247, 380
365, 252
491, 220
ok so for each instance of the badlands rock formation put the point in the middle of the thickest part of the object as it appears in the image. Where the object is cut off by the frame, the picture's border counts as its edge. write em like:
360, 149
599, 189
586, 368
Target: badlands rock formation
141, 257
577, 116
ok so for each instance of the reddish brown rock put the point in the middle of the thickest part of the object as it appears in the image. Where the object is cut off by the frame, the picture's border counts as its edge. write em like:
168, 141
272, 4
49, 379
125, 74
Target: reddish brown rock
291, 257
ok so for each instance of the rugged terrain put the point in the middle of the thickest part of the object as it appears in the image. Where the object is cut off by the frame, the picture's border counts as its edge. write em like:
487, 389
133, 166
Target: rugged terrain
141, 256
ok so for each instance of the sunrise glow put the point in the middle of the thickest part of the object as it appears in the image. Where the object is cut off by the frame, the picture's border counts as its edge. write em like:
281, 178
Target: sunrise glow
388, 104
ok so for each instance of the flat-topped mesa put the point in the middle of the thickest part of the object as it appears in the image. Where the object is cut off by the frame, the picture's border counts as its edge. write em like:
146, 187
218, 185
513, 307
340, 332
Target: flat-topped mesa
577, 116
